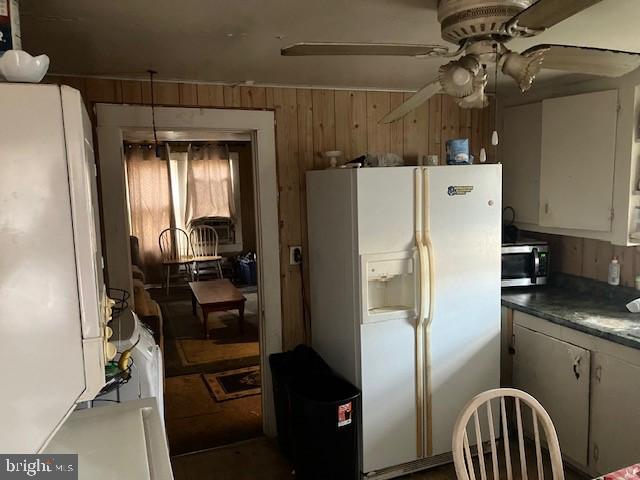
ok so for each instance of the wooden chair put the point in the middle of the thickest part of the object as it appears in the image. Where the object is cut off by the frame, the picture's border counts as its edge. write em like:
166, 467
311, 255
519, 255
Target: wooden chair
462, 457
204, 242
175, 249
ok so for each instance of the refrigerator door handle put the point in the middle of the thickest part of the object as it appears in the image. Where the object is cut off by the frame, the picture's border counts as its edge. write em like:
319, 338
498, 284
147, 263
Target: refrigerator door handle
427, 276
423, 254
420, 317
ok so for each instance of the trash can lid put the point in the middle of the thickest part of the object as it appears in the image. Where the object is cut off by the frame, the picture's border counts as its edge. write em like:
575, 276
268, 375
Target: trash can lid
325, 388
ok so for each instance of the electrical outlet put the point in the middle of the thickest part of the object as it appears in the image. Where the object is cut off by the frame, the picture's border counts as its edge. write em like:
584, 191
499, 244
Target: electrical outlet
295, 255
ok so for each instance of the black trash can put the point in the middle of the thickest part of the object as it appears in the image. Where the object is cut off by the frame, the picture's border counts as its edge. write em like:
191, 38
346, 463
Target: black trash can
303, 361
326, 412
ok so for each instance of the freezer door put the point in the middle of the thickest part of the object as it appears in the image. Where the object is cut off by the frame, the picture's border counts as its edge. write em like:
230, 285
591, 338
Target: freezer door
389, 422
463, 204
388, 276
40, 334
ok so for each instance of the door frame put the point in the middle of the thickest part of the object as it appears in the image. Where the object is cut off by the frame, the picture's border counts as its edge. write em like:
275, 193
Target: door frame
113, 121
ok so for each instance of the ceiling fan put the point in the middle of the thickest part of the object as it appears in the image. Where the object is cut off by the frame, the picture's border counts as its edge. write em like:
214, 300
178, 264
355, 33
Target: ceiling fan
480, 29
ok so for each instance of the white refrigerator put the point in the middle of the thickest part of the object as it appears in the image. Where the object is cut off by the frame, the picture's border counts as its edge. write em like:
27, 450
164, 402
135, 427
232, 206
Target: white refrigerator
405, 299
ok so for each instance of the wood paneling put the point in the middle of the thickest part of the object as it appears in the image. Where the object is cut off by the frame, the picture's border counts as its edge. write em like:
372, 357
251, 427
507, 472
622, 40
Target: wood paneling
210, 95
304, 99
351, 123
286, 113
102, 90
435, 126
131, 91
253, 97
396, 129
232, 97
378, 134
324, 125
308, 123
188, 94
416, 134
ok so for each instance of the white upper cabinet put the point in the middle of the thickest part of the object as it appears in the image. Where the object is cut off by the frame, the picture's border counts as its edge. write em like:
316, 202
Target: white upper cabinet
572, 165
52, 320
577, 161
521, 146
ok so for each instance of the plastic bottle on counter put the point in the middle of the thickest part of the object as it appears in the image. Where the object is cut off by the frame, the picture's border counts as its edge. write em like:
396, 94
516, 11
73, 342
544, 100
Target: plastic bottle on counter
614, 271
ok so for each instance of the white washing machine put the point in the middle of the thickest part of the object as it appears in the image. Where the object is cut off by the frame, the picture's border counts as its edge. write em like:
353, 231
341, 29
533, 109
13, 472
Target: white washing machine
147, 370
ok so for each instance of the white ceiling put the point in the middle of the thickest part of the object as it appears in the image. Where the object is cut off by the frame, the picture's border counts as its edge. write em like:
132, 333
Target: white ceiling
238, 40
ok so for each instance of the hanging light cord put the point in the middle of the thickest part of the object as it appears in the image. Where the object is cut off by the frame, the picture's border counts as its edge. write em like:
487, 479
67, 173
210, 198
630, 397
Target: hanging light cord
153, 111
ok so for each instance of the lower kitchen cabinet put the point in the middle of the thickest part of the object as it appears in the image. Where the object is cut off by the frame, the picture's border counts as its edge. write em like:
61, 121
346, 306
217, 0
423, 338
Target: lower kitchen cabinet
615, 414
590, 387
556, 373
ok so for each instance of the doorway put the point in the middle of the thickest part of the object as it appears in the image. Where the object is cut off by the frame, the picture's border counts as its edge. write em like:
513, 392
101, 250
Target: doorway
199, 192
248, 138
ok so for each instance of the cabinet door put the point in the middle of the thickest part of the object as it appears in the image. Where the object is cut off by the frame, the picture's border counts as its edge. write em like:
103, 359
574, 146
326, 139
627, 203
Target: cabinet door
578, 154
521, 140
615, 414
40, 333
556, 373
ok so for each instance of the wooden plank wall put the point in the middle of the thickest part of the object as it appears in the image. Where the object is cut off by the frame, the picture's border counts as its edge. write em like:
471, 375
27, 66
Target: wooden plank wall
309, 122
590, 258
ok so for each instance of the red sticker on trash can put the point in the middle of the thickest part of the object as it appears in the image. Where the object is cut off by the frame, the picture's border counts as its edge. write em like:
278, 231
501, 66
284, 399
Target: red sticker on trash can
344, 414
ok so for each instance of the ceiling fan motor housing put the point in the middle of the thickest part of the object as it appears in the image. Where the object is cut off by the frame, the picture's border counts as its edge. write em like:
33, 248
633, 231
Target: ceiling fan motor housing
463, 19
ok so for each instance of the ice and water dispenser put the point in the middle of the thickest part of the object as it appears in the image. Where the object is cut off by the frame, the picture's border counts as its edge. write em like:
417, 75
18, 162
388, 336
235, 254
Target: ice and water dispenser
391, 286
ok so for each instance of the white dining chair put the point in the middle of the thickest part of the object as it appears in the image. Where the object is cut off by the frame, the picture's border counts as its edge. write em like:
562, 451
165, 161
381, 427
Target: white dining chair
204, 242
175, 249
480, 413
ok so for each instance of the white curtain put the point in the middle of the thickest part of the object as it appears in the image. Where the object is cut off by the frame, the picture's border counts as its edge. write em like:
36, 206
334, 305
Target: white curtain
209, 183
178, 174
149, 204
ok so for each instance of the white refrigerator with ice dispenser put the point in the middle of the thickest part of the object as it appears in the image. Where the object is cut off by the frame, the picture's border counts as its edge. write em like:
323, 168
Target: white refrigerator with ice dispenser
405, 299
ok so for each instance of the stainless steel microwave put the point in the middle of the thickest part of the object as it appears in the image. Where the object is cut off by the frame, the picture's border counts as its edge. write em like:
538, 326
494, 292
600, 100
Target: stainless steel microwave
525, 263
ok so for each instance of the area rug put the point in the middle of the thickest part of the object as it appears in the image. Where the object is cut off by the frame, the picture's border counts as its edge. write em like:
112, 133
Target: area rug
233, 384
227, 348
200, 351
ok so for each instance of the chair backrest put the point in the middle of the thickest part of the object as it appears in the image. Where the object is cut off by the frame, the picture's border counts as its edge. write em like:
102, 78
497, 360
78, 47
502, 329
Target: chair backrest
174, 245
204, 241
462, 456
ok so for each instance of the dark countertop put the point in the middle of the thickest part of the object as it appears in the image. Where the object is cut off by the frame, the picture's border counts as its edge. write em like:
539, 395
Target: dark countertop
582, 304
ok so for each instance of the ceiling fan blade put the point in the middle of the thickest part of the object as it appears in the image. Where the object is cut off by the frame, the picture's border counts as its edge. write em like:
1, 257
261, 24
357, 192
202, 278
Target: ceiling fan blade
547, 13
591, 61
421, 96
389, 49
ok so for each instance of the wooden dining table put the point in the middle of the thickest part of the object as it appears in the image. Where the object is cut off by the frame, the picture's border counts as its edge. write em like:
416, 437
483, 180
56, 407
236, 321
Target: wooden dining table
628, 473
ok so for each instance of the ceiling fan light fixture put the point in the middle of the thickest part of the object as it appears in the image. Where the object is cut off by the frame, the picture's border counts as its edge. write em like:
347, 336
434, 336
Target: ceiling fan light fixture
477, 98
461, 76
523, 68
457, 78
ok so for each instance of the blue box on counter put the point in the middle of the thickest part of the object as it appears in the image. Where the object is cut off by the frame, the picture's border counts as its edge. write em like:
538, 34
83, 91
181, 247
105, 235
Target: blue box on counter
458, 152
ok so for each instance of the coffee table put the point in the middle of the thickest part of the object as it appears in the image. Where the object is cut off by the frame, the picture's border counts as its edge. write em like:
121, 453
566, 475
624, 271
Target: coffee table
218, 295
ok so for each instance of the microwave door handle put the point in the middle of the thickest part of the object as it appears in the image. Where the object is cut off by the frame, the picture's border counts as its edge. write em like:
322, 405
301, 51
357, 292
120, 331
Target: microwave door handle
536, 266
